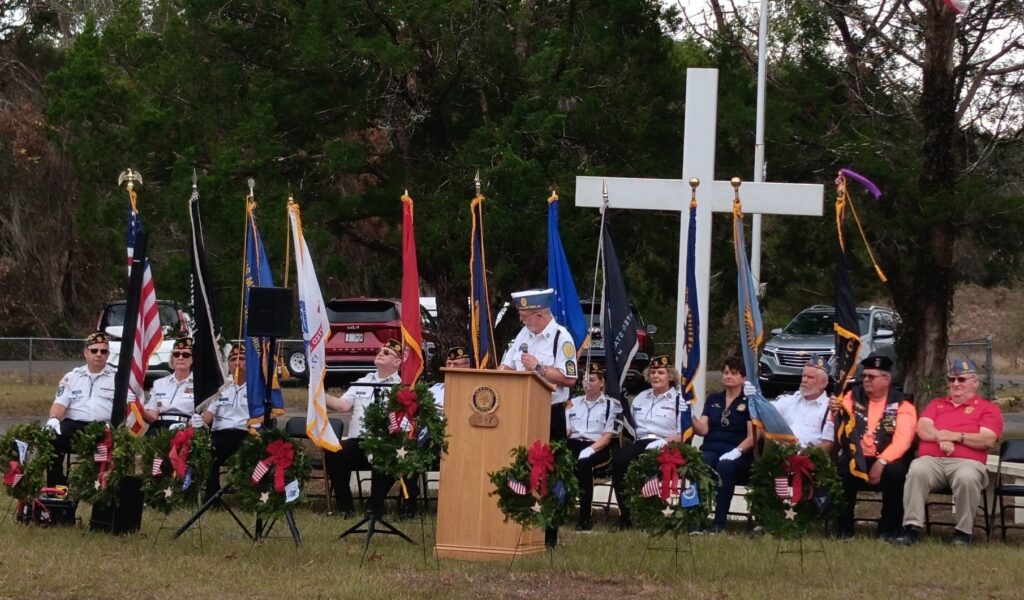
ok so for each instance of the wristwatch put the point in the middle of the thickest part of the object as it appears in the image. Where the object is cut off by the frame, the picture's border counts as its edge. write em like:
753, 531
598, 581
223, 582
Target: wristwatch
883, 462
961, 438
539, 369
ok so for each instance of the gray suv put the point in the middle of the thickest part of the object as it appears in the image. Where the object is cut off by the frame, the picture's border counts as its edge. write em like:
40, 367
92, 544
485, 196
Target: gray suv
810, 334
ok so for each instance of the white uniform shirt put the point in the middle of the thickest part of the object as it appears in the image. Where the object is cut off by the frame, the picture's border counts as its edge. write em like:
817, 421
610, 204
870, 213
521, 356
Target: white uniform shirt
87, 396
172, 396
438, 391
231, 409
658, 416
805, 417
590, 419
543, 346
362, 395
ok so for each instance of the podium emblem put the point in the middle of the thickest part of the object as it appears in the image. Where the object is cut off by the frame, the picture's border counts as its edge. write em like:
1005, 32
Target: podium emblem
484, 402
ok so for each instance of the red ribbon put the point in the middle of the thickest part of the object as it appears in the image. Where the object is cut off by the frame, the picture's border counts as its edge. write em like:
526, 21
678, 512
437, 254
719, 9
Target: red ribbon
106, 466
180, 445
800, 466
541, 462
408, 405
280, 455
670, 460
11, 477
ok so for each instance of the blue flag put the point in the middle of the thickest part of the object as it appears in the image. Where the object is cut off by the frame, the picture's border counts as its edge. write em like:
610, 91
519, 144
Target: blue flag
259, 375
690, 496
762, 412
692, 346
565, 306
481, 335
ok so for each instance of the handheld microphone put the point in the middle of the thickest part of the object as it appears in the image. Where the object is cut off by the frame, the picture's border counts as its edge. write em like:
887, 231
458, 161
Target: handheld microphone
523, 347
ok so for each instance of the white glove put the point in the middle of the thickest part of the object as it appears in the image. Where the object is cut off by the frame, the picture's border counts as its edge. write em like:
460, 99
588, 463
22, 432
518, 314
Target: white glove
369, 458
586, 453
175, 426
53, 424
749, 389
197, 421
656, 445
732, 454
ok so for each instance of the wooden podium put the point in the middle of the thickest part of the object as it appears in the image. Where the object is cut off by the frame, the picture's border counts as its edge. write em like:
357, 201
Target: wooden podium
489, 414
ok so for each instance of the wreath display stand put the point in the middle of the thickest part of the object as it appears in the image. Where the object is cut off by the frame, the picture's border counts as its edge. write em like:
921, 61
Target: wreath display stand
26, 452
791, 490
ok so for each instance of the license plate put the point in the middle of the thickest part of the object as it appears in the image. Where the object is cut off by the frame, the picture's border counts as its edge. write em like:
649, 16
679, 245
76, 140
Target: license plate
355, 338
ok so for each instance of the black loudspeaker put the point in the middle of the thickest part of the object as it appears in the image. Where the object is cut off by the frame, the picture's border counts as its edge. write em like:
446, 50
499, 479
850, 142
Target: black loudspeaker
270, 312
125, 516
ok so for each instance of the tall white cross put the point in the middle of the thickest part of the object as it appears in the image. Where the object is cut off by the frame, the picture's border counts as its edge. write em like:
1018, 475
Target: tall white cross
712, 196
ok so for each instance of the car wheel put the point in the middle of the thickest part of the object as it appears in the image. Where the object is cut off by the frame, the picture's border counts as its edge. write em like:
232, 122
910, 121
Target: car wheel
297, 365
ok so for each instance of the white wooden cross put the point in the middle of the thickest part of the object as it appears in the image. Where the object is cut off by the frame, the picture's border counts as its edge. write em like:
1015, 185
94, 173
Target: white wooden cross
712, 196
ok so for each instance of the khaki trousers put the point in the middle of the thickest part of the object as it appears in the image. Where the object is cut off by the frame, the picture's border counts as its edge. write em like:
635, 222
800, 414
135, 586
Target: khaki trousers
967, 478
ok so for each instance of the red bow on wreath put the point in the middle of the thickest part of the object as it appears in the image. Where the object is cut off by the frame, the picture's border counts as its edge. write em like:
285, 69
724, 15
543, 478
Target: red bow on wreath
14, 475
407, 407
670, 460
279, 457
541, 462
801, 466
178, 455
104, 455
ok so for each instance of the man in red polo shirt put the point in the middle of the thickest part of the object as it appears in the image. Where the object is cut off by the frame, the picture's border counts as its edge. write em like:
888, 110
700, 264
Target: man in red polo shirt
956, 433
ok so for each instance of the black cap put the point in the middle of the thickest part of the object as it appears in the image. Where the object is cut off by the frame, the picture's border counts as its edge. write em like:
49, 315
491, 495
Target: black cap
877, 361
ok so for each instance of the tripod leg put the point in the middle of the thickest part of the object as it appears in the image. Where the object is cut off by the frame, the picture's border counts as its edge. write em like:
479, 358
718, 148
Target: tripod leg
205, 507
369, 535
289, 517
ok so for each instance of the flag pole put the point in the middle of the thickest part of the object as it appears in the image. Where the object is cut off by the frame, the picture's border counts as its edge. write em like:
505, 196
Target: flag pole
762, 76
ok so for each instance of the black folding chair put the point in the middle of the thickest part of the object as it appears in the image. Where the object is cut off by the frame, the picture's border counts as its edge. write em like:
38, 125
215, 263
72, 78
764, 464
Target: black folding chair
295, 428
1011, 451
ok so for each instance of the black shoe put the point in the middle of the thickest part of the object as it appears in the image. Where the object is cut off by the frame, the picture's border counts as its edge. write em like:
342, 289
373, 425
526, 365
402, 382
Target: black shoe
909, 537
584, 525
960, 538
623, 524
551, 537
716, 528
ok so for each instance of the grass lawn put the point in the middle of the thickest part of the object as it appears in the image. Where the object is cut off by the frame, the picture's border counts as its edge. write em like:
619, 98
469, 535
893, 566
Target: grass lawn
70, 563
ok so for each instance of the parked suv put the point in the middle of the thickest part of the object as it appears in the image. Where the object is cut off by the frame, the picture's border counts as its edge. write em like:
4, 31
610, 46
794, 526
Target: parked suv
811, 333
645, 345
174, 323
360, 326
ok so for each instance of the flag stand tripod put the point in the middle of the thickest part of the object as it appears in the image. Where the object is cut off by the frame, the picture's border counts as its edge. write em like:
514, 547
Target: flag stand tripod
674, 549
802, 551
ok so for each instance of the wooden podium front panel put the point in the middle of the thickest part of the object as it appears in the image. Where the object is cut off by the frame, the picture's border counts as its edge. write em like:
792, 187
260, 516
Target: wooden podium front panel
469, 523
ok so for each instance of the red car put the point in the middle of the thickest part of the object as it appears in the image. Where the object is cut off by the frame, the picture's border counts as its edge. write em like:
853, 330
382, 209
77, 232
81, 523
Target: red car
360, 326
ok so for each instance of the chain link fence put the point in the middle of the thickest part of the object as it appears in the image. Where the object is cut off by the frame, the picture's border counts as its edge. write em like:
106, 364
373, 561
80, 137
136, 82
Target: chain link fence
38, 360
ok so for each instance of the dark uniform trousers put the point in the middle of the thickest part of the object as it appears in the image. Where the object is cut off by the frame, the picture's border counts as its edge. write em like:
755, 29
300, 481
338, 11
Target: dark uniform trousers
225, 443
894, 475
585, 475
620, 464
55, 474
340, 465
732, 473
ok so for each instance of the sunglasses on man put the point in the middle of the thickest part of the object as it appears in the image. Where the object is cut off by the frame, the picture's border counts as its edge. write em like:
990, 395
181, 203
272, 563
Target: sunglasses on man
103, 351
959, 379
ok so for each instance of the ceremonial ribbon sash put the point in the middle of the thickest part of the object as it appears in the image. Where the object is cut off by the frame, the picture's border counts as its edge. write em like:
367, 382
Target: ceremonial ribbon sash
801, 466
178, 455
541, 462
104, 457
670, 460
407, 407
279, 457
13, 475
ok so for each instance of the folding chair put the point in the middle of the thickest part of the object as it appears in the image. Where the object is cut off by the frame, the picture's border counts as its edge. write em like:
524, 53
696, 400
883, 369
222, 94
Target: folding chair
985, 524
1011, 451
295, 428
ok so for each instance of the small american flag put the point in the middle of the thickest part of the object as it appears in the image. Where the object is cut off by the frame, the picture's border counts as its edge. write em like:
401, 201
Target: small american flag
14, 480
260, 470
393, 426
101, 454
157, 463
651, 488
782, 489
516, 487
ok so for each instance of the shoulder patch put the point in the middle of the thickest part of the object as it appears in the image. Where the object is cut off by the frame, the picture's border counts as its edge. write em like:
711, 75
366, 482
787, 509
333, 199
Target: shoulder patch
570, 368
568, 350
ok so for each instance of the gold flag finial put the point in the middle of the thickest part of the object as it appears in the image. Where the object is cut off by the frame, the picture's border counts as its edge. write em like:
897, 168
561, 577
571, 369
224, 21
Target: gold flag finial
604, 192
131, 176
736, 205
694, 183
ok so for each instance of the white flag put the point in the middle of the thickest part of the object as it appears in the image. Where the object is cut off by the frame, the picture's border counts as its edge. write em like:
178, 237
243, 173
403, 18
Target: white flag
316, 328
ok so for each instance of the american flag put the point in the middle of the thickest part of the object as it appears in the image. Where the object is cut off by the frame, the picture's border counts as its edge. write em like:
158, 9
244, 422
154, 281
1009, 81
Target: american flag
393, 426
516, 487
157, 463
651, 488
782, 489
260, 470
13, 480
148, 334
101, 455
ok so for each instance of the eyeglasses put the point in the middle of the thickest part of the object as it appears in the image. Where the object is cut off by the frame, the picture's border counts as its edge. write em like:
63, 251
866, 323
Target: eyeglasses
960, 379
181, 354
724, 422
386, 352
102, 351
870, 377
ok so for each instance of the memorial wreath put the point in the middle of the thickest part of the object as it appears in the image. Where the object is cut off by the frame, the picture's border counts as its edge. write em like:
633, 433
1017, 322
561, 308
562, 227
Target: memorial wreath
670, 491
176, 464
27, 454
792, 489
405, 433
267, 473
539, 488
105, 457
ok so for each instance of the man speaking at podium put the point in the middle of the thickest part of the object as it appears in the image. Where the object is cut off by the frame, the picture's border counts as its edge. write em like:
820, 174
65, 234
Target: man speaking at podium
546, 348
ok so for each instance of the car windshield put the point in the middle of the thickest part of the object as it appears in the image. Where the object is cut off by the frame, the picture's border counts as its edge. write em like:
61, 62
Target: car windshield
114, 316
820, 323
362, 311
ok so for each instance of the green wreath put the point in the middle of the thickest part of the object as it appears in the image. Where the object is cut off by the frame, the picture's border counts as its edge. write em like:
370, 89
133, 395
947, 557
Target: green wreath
822, 501
263, 497
657, 516
536, 508
28, 475
406, 451
84, 480
164, 490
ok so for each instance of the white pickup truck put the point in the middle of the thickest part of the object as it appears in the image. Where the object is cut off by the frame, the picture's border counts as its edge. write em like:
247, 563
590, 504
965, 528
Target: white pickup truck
174, 323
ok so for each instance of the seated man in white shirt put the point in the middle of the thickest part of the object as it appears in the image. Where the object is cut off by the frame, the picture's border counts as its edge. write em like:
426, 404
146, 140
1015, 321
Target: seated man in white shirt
805, 410
456, 359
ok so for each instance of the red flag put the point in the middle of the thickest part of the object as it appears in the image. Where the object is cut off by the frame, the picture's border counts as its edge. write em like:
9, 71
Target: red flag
412, 337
